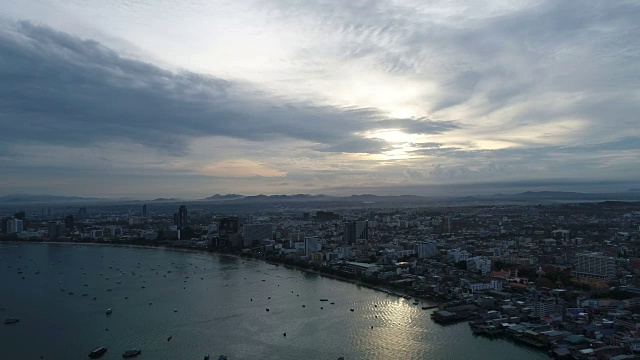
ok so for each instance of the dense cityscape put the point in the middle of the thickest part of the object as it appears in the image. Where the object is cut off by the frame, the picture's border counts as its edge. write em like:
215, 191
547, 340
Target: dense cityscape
560, 277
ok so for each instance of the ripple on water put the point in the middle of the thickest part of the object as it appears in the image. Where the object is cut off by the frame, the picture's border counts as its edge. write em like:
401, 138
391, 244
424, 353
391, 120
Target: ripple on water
216, 315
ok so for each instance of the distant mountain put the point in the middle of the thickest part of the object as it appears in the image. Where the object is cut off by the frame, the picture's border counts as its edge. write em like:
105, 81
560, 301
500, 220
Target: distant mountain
27, 198
296, 197
218, 197
562, 196
164, 199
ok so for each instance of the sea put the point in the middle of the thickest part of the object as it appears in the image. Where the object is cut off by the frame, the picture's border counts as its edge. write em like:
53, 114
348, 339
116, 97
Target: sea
175, 304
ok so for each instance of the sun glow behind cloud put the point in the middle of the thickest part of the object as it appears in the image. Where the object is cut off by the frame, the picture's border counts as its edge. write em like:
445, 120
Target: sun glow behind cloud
309, 94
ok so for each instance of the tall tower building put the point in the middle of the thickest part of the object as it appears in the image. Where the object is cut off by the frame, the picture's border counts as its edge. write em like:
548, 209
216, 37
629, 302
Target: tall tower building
68, 222
180, 219
356, 231
144, 210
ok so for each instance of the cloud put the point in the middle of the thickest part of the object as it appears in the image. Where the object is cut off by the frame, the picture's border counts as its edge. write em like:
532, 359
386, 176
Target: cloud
420, 126
329, 93
59, 89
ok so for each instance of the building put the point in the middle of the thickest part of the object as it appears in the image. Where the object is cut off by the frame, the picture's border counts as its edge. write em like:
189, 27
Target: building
180, 219
494, 285
15, 226
4, 224
361, 268
426, 249
144, 210
257, 232
594, 266
356, 232
479, 263
542, 308
446, 225
311, 245
344, 252
55, 229
68, 222
227, 229
562, 235
456, 255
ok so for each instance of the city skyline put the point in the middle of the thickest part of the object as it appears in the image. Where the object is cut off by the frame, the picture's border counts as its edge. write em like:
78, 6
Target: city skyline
114, 99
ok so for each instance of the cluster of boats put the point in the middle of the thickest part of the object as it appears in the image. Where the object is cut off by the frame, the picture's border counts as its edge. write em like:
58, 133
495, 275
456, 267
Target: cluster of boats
101, 350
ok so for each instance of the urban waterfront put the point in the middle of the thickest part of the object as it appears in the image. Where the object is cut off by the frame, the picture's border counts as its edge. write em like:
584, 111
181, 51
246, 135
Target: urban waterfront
210, 304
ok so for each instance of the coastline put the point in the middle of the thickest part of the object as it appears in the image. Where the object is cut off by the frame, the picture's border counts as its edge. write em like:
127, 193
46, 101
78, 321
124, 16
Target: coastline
358, 283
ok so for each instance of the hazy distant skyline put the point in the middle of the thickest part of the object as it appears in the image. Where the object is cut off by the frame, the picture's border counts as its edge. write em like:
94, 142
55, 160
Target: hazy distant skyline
186, 99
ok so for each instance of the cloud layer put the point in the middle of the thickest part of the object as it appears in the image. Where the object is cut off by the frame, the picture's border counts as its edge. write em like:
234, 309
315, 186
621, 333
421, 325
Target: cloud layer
297, 96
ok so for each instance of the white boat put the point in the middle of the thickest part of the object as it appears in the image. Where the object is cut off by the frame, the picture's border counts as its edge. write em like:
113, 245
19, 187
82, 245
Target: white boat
109, 311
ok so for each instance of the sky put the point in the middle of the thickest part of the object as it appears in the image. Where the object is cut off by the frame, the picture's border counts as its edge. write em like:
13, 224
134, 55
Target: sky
143, 99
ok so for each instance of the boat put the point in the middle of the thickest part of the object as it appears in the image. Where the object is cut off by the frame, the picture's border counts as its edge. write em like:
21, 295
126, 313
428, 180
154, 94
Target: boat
97, 352
131, 353
415, 303
222, 357
324, 299
11, 320
206, 357
352, 310
108, 311
170, 337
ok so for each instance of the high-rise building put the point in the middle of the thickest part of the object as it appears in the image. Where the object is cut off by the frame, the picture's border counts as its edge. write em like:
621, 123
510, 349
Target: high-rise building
180, 219
446, 225
4, 225
15, 226
257, 232
227, 229
55, 229
144, 210
311, 245
595, 266
356, 231
426, 249
68, 222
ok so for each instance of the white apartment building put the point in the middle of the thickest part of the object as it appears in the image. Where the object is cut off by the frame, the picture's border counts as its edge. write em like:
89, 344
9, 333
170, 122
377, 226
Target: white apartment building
595, 266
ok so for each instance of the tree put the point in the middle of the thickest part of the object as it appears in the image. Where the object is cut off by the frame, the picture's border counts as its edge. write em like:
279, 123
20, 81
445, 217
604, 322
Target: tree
462, 265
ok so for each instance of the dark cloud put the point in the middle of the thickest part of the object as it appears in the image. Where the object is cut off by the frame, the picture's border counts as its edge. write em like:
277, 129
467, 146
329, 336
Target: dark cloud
417, 126
58, 89
362, 145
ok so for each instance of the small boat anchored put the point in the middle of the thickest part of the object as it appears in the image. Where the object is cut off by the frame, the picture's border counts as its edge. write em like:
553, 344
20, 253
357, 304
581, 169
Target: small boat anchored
97, 352
11, 321
131, 353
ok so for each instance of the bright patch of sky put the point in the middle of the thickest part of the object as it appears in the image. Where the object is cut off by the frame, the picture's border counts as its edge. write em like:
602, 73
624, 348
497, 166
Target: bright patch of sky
290, 96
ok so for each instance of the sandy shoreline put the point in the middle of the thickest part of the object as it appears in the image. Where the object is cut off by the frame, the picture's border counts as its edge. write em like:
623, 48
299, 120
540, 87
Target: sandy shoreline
380, 288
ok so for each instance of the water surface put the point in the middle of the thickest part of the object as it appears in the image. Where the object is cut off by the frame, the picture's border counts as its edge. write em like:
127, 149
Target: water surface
220, 305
